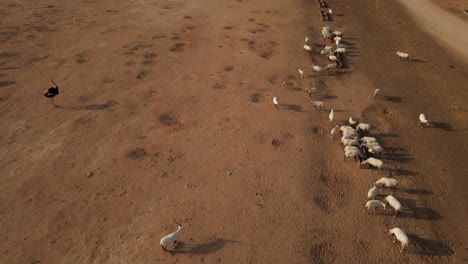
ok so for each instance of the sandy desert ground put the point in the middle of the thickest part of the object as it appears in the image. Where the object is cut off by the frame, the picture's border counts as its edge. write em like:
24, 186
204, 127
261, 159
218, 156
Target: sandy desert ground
165, 116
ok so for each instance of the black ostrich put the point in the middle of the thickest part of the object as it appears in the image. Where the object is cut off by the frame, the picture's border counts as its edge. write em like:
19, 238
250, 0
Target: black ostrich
51, 93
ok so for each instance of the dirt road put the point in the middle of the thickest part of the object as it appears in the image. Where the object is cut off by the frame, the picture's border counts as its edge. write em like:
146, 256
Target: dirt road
455, 7
444, 26
165, 117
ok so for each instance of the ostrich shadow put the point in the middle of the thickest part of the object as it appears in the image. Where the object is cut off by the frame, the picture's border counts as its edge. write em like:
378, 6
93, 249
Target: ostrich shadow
202, 249
93, 107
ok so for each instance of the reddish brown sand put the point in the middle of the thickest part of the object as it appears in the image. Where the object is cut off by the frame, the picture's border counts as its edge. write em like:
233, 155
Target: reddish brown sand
165, 116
